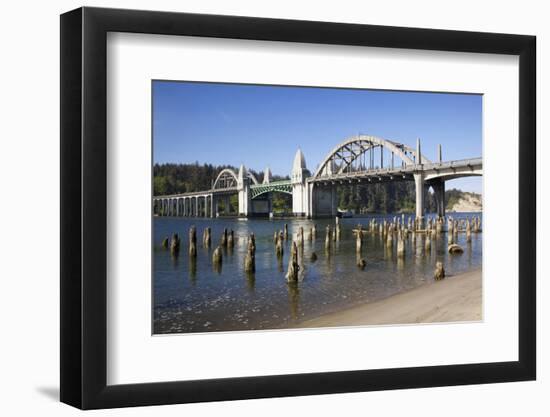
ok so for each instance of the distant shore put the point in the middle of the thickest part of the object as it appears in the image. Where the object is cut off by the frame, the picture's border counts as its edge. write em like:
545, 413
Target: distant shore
454, 299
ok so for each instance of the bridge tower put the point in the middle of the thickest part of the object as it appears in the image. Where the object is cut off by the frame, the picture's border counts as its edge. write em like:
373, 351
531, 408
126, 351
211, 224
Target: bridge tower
267, 176
299, 188
243, 187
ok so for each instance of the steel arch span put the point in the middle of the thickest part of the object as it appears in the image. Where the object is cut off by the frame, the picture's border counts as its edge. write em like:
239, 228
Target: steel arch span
227, 178
349, 155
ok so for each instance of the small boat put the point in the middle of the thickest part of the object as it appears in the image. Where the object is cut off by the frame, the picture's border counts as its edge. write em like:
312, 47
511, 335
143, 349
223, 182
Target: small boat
345, 214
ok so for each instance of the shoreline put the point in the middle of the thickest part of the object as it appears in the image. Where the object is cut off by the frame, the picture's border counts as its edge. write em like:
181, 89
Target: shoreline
457, 298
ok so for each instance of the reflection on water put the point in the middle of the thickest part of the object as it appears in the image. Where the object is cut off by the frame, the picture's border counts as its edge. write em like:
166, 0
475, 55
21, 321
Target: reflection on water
198, 295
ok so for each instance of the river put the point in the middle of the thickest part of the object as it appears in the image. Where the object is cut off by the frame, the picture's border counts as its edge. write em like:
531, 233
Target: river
191, 297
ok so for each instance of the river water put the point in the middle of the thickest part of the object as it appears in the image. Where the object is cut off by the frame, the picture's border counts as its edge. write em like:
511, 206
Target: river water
191, 297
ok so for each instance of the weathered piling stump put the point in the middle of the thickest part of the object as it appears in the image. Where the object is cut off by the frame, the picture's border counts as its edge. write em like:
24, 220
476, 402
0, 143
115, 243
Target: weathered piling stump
252, 241
400, 245
468, 231
175, 244
428, 243
275, 237
327, 238
250, 258
389, 240
450, 238
165, 243
285, 231
359, 240
192, 241
279, 245
455, 249
313, 257
217, 257
301, 236
313, 232
293, 267
230, 239
439, 272
207, 237
223, 240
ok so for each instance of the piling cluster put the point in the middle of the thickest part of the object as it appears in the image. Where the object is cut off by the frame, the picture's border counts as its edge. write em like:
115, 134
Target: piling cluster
396, 231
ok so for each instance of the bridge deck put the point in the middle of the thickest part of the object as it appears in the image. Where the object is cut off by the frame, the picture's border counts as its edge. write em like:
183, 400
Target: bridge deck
404, 172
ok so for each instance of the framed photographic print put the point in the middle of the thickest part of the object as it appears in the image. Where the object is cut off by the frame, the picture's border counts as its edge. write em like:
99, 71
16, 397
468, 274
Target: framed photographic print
258, 207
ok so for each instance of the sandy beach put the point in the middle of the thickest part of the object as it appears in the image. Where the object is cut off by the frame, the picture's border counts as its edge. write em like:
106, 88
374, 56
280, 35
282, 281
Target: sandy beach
456, 298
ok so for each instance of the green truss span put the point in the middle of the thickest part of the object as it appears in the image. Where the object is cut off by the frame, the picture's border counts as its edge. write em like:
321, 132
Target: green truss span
273, 187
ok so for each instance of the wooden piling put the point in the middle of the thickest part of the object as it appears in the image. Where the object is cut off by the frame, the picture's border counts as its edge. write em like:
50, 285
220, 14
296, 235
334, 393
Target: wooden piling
217, 256
428, 243
192, 241
327, 238
175, 244
359, 241
279, 245
230, 239
439, 272
207, 237
389, 240
250, 258
301, 236
293, 267
455, 249
400, 245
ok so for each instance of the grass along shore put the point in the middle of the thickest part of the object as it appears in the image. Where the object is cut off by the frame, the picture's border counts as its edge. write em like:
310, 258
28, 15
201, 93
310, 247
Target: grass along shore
455, 299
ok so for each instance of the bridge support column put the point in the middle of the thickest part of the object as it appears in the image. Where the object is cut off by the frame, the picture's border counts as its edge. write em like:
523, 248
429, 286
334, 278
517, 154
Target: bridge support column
244, 200
419, 183
439, 191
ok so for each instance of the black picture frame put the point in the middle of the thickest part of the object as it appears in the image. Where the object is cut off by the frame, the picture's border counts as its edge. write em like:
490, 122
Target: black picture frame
84, 207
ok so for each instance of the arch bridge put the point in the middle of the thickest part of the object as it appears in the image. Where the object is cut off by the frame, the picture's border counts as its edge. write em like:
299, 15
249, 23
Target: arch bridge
359, 159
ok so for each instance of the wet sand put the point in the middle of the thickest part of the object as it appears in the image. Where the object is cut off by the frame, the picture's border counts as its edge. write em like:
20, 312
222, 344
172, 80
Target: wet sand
456, 298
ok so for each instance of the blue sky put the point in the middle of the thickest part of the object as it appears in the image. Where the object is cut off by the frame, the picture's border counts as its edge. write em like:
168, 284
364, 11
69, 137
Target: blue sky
263, 126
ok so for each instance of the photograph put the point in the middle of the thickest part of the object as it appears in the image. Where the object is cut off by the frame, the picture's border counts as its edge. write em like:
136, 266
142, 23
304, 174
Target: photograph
294, 207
